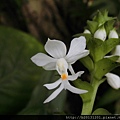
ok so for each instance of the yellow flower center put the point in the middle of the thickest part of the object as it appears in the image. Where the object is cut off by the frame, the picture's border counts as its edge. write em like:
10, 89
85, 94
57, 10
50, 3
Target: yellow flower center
64, 76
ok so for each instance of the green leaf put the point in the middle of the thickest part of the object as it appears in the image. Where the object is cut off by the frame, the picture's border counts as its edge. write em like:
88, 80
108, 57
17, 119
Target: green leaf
95, 47
109, 44
109, 26
85, 86
18, 75
92, 26
104, 66
88, 63
99, 18
98, 48
101, 111
102, 17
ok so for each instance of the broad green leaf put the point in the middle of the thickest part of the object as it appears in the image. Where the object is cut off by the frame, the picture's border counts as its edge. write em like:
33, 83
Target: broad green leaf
40, 93
18, 75
101, 111
104, 66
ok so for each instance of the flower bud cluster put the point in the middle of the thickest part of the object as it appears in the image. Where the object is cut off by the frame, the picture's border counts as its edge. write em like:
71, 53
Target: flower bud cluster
101, 27
104, 39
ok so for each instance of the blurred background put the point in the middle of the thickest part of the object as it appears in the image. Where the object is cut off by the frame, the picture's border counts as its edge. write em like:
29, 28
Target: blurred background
25, 26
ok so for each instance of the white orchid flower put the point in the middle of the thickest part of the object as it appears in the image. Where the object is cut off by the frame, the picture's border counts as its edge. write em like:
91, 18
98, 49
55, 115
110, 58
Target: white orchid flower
57, 50
100, 34
113, 80
113, 34
64, 81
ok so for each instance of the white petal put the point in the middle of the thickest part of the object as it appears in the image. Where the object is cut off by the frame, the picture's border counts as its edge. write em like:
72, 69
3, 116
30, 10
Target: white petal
55, 48
54, 94
75, 76
42, 59
71, 69
77, 46
100, 34
113, 80
118, 60
52, 85
75, 57
74, 89
113, 34
109, 56
87, 31
50, 66
117, 50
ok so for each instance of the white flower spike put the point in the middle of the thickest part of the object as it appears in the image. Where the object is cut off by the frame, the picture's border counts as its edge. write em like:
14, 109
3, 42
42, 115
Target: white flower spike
64, 81
100, 34
113, 80
57, 50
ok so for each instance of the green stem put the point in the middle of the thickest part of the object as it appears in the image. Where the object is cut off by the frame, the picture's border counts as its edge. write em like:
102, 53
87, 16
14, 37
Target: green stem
88, 105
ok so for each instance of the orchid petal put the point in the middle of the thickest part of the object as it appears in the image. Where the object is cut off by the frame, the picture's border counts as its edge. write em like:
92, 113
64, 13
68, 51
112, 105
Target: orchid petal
50, 66
75, 76
54, 94
74, 89
71, 69
117, 50
100, 34
77, 46
55, 48
74, 58
113, 34
109, 56
52, 85
42, 59
113, 80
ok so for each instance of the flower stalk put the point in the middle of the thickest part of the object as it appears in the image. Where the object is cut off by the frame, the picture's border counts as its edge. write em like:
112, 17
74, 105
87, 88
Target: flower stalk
88, 105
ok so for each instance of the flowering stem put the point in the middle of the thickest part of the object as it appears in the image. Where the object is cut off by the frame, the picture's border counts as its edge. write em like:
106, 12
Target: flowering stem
88, 105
